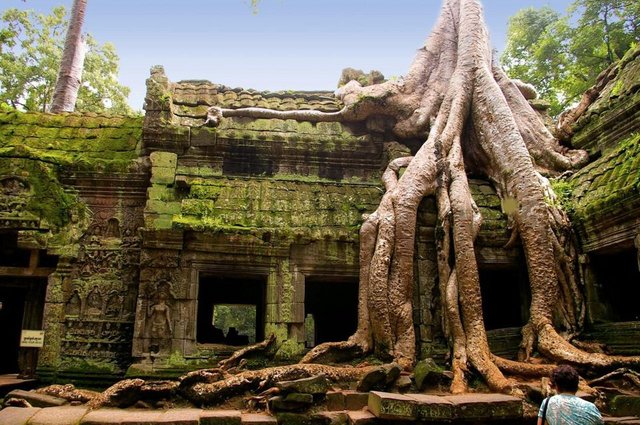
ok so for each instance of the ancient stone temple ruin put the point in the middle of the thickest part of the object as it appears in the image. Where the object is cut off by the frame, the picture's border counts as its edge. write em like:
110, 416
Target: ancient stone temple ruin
121, 237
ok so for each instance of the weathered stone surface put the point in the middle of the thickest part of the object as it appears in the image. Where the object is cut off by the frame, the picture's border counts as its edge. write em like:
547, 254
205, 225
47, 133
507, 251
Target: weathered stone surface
379, 378
392, 406
258, 419
355, 400
483, 406
336, 400
334, 418
314, 385
302, 419
625, 405
426, 372
220, 417
291, 402
361, 417
181, 417
17, 415
62, 415
117, 416
432, 407
35, 399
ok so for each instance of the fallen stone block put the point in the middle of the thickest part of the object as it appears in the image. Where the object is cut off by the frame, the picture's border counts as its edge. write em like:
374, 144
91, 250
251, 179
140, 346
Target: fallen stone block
392, 406
17, 415
433, 408
181, 417
355, 400
361, 417
258, 419
117, 416
291, 402
35, 399
314, 385
336, 401
62, 415
220, 417
625, 405
484, 406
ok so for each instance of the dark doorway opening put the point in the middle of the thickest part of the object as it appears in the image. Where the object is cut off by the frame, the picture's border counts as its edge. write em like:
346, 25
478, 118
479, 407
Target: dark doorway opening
231, 310
618, 280
12, 300
22, 306
333, 305
505, 297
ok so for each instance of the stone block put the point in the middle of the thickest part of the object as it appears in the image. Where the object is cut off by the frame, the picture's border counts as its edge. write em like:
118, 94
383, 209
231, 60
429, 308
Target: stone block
433, 408
361, 417
17, 415
119, 416
258, 419
180, 417
62, 415
426, 372
290, 403
355, 400
163, 175
220, 417
484, 406
333, 418
36, 399
297, 312
163, 159
162, 207
336, 400
314, 385
625, 405
392, 406
287, 418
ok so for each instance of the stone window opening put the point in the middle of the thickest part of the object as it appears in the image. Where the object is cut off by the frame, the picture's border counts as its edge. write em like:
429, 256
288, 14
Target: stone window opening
231, 310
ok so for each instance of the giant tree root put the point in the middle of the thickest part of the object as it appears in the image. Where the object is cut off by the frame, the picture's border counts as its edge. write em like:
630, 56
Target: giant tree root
245, 352
214, 392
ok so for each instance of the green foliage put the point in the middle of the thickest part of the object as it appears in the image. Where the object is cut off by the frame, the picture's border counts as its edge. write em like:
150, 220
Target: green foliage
563, 55
30, 53
239, 316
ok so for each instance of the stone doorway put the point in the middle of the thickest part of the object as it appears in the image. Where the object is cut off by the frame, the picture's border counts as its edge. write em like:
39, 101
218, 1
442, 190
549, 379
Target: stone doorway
505, 297
618, 287
231, 310
23, 284
333, 305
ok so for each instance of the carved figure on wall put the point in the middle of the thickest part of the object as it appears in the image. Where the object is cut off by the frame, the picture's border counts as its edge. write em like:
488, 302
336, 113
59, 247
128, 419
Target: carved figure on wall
94, 302
74, 304
113, 228
159, 322
114, 305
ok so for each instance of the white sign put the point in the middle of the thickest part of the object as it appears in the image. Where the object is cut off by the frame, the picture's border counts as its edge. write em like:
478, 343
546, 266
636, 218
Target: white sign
32, 339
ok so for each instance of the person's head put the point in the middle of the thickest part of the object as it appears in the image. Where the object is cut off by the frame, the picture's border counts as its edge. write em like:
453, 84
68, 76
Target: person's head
565, 379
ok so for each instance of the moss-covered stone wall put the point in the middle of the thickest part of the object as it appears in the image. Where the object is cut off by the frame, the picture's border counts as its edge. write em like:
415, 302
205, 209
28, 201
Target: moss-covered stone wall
81, 181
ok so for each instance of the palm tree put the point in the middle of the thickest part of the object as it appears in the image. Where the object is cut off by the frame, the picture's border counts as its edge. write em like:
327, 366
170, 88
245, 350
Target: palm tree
70, 73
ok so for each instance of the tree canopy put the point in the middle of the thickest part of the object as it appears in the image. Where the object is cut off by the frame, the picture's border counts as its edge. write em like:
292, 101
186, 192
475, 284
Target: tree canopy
31, 47
562, 55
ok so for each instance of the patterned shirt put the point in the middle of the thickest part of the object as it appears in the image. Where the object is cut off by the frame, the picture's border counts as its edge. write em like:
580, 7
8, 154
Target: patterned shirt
565, 409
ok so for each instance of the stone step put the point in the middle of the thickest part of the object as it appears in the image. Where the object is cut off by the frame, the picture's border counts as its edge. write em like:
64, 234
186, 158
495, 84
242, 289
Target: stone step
467, 407
622, 420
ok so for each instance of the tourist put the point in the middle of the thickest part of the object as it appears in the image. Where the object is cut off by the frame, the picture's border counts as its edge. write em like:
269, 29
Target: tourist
565, 407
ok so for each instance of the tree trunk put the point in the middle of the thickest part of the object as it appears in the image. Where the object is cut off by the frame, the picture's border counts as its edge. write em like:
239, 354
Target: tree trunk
475, 120
70, 73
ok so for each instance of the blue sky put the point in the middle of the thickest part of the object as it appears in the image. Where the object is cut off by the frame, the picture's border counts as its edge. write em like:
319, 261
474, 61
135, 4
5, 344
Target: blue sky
289, 44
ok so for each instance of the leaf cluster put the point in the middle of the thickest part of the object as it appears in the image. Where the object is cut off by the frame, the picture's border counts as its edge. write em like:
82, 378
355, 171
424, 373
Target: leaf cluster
31, 47
562, 55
